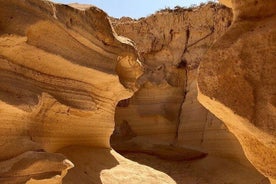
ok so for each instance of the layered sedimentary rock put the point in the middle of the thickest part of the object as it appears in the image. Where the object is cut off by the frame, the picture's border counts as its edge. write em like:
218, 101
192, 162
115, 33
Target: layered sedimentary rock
237, 81
62, 72
165, 109
200, 129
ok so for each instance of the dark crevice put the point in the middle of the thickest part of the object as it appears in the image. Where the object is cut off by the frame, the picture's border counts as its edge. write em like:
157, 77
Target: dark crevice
182, 64
212, 29
171, 34
187, 40
182, 102
204, 128
124, 103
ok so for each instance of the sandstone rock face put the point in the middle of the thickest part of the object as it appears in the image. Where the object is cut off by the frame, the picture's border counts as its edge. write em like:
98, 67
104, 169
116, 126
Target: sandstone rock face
200, 129
250, 8
237, 81
62, 72
165, 109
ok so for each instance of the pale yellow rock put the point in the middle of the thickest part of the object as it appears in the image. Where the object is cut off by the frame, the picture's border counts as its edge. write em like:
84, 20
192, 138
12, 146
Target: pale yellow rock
200, 129
250, 8
165, 109
227, 3
237, 81
169, 43
62, 72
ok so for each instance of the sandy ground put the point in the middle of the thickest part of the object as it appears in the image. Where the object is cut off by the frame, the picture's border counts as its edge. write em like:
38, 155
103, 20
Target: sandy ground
107, 166
209, 170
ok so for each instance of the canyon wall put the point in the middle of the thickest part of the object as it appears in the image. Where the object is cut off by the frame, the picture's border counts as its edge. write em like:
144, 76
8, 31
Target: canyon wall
63, 71
237, 81
165, 109
65, 74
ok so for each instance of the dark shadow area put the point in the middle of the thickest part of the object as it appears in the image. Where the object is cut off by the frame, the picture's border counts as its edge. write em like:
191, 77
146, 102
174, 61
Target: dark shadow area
183, 164
125, 140
209, 170
163, 151
89, 162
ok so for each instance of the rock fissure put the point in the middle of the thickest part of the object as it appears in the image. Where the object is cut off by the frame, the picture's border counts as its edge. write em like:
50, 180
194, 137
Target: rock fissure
187, 40
204, 128
180, 108
196, 42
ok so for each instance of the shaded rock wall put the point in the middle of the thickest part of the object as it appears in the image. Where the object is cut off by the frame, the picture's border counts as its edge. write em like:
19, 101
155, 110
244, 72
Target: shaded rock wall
237, 81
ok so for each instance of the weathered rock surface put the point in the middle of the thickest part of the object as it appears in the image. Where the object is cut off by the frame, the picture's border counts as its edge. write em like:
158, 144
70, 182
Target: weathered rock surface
165, 109
200, 129
237, 81
62, 72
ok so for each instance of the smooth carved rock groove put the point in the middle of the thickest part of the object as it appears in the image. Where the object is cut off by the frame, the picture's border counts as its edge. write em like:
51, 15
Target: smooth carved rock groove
62, 72
237, 81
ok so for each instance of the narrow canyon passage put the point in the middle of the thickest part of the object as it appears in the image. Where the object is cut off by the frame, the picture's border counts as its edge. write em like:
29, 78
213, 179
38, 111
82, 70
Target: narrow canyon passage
164, 122
175, 97
183, 162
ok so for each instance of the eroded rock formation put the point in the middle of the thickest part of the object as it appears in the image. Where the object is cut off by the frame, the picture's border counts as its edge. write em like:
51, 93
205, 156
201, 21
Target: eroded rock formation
165, 109
237, 81
63, 71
